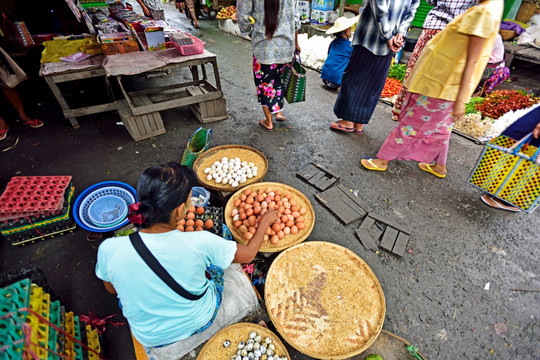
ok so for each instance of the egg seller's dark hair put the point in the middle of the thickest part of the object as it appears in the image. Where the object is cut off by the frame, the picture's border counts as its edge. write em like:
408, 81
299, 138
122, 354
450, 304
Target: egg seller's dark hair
161, 189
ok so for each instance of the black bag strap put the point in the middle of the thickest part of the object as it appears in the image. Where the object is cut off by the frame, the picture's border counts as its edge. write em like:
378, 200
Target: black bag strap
157, 268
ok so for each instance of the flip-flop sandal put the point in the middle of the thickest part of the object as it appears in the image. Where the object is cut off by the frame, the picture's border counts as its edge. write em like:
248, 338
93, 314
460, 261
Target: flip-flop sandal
370, 165
358, 132
3, 134
34, 123
264, 127
338, 126
497, 204
427, 168
281, 119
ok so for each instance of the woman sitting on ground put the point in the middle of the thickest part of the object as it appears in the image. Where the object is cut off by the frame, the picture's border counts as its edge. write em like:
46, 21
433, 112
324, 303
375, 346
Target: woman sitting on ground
160, 318
339, 52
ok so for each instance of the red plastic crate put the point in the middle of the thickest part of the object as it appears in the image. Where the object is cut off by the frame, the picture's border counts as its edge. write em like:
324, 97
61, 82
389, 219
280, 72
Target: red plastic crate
196, 48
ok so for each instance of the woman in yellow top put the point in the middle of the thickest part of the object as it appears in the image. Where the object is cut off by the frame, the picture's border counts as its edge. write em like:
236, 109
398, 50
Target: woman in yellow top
439, 86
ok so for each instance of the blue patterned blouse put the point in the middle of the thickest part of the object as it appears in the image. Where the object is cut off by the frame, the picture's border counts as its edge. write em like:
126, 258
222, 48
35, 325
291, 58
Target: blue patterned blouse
279, 49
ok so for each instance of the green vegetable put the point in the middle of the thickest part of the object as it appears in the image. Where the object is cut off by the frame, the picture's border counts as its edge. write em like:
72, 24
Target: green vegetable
374, 357
413, 350
397, 71
470, 107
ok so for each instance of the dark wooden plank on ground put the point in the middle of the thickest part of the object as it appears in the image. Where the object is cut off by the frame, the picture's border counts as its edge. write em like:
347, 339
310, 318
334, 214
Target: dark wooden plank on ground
389, 238
326, 170
317, 177
329, 182
320, 182
367, 223
366, 239
333, 199
355, 198
401, 243
308, 172
387, 221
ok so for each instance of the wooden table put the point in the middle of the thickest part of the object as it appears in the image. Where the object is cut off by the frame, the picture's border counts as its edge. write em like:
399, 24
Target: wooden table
139, 109
521, 52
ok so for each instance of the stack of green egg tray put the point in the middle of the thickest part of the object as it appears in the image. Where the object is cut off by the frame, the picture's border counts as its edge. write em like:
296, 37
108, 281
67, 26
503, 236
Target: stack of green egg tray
42, 337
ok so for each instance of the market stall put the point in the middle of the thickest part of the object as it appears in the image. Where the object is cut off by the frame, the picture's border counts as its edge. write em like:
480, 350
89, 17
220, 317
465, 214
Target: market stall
135, 46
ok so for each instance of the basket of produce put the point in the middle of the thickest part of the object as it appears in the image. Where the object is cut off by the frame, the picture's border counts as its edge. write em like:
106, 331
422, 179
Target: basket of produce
239, 340
324, 300
507, 34
230, 167
200, 218
294, 225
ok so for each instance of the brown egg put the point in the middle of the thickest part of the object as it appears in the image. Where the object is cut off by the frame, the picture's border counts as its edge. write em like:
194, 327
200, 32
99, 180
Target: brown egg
199, 223
191, 209
208, 224
237, 223
269, 190
189, 228
284, 218
287, 205
272, 205
248, 206
243, 197
260, 198
200, 210
249, 200
295, 214
242, 216
278, 192
300, 226
252, 220
180, 228
252, 229
287, 211
247, 192
282, 226
190, 216
280, 234
294, 208
249, 212
257, 210
246, 223
263, 211
247, 236
234, 212
264, 204
268, 231
287, 230
237, 202
182, 222
289, 223
292, 202
302, 211
288, 196
266, 238
190, 222
300, 219
243, 229
277, 197
199, 228
294, 229
274, 239
281, 209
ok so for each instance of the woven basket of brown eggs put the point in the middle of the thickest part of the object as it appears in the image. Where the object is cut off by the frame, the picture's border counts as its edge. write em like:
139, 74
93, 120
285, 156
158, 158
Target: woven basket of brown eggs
239, 340
296, 215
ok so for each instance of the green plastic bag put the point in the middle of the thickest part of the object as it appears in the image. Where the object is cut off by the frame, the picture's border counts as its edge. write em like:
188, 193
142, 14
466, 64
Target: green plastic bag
197, 144
294, 81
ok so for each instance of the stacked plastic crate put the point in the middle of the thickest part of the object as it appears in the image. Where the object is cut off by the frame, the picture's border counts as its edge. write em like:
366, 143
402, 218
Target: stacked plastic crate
34, 207
33, 327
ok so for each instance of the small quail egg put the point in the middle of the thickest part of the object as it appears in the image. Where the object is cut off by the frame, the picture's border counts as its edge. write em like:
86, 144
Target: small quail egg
257, 338
256, 345
262, 349
257, 353
272, 346
269, 352
245, 358
243, 352
249, 346
241, 345
209, 177
237, 357
250, 341
270, 357
251, 356
226, 343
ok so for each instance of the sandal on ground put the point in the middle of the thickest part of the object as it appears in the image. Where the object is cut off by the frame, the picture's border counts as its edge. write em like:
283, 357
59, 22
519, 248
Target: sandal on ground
3, 134
395, 117
261, 124
34, 123
281, 118
497, 203
427, 168
358, 132
370, 165
337, 126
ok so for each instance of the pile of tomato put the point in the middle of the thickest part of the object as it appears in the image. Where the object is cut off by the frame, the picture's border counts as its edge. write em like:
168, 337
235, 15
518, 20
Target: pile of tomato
391, 88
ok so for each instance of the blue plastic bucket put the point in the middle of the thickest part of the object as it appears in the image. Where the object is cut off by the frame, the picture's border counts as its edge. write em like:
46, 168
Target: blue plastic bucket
196, 193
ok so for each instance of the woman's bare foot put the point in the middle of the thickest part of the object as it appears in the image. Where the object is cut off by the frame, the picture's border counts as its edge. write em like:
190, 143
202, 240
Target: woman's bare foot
267, 125
280, 117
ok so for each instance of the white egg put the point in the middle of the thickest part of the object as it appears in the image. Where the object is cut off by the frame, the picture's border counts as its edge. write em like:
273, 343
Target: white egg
236, 217
224, 158
207, 170
209, 177
219, 172
213, 167
234, 184
225, 167
249, 175
217, 163
254, 172
251, 164
237, 178
244, 163
215, 175
254, 168
218, 180
237, 159
271, 194
243, 180
229, 176
225, 181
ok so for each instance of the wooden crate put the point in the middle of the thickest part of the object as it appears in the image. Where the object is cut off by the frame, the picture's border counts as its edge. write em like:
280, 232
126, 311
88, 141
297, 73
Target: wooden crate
207, 111
141, 126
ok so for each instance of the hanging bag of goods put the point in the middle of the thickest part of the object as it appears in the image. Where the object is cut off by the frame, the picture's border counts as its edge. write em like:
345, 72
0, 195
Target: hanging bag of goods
197, 144
294, 81
510, 170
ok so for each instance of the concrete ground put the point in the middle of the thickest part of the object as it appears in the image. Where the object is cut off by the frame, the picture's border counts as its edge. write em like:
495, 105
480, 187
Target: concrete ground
435, 293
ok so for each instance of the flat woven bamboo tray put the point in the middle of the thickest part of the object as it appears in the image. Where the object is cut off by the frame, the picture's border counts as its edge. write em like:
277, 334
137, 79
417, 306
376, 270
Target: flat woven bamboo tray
324, 300
245, 153
288, 240
214, 350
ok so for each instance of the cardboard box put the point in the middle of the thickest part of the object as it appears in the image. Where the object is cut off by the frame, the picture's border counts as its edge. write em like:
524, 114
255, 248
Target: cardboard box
304, 8
320, 17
